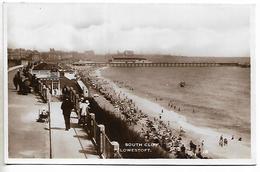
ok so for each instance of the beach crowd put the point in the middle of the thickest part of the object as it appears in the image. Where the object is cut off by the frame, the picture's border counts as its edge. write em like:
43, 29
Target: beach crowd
152, 129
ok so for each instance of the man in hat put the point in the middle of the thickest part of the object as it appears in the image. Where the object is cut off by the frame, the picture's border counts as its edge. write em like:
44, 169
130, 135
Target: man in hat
67, 107
84, 107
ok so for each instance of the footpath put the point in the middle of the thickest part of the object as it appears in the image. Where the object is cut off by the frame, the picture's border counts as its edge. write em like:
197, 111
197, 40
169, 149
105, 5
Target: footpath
73, 143
30, 139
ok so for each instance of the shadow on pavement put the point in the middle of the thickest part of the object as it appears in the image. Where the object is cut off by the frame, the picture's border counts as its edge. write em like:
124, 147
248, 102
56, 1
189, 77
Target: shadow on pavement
57, 128
92, 152
85, 137
54, 128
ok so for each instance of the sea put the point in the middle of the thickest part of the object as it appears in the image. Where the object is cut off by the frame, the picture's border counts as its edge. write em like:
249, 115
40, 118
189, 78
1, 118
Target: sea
213, 97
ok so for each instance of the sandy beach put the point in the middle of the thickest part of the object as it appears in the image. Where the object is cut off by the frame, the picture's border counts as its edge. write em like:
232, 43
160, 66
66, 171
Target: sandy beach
234, 150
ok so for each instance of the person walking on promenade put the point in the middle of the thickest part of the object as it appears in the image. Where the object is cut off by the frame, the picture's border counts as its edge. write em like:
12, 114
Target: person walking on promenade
65, 92
84, 107
67, 107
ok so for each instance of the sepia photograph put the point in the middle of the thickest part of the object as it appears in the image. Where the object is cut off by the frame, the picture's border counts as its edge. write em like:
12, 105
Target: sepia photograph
102, 83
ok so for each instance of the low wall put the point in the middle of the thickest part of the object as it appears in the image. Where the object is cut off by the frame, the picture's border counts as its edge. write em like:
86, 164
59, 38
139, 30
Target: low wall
14, 67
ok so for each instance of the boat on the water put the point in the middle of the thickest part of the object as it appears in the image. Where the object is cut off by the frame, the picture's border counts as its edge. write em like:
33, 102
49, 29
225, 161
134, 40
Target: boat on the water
182, 84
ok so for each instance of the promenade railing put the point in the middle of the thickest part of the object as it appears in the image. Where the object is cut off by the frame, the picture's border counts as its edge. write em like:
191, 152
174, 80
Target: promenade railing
96, 132
105, 147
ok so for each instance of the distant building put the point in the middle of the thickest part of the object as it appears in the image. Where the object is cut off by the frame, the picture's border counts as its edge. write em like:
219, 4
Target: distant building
22, 56
54, 55
56, 77
46, 70
17, 54
36, 56
48, 74
128, 56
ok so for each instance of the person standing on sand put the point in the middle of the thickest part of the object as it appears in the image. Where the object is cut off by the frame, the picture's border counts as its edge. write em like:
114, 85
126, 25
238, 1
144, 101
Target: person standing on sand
221, 141
160, 114
192, 146
198, 154
202, 144
225, 142
67, 107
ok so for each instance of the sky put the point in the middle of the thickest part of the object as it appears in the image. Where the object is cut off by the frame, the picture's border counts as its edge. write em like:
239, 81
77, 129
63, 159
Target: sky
187, 30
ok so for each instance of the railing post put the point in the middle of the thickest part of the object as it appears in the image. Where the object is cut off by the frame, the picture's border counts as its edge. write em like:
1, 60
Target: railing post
92, 125
114, 149
48, 95
101, 135
42, 87
39, 86
44, 92
77, 104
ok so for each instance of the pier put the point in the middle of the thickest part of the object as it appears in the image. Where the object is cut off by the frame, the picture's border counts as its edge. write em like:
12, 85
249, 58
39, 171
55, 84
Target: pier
164, 64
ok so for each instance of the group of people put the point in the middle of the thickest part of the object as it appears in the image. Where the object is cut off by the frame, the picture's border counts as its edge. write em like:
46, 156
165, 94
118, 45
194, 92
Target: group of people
154, 130
67, 106
224, 141
171, 105
122, 84
23, 81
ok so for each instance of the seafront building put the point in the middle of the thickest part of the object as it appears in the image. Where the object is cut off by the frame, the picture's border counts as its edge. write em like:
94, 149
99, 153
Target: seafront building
56, 77
127, 56
22, 56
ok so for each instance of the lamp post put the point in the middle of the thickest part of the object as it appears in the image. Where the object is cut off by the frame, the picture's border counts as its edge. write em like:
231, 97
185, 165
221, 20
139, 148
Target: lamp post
49, 110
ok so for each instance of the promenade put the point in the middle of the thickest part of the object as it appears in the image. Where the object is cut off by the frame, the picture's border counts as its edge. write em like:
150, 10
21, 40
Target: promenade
30, 139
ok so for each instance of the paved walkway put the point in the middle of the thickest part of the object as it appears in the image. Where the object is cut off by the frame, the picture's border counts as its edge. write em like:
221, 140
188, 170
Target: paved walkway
30, 139
26, 137
69, 144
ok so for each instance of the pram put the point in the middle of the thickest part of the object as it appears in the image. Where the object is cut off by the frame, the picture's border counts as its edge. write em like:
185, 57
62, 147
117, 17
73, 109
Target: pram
43, 116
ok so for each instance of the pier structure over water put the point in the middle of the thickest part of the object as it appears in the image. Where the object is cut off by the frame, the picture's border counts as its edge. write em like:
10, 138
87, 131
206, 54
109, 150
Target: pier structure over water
162, 64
